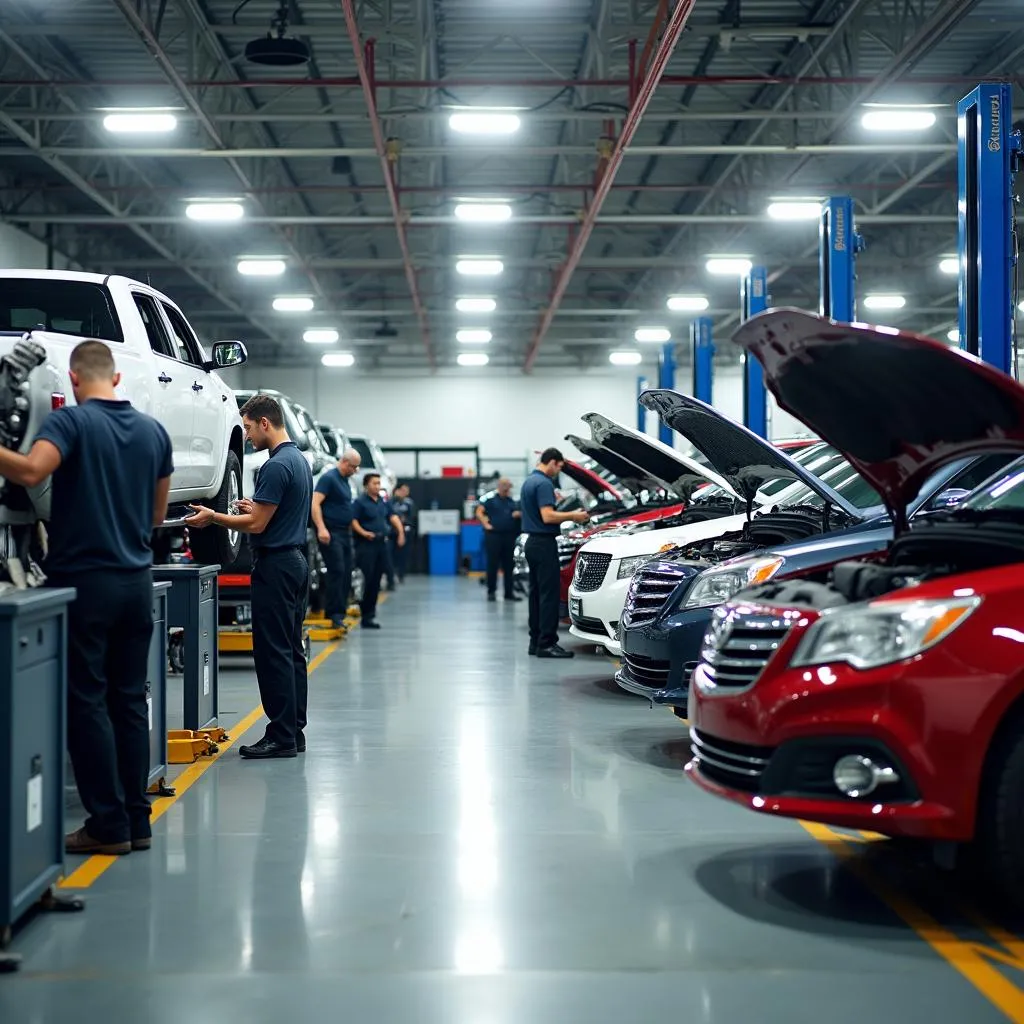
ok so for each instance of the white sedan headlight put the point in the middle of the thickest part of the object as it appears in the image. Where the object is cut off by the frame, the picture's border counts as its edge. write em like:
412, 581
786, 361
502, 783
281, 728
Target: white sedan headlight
866, 636
628, 566
716, 586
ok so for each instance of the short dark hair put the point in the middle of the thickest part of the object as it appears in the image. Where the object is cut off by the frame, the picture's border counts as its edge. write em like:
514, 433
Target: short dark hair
263, 407
370, 476
92, 361
551, 455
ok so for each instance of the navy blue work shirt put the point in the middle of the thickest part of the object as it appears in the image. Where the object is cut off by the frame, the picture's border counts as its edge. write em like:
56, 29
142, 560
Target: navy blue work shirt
499, 511
371, 516
337, 503
537, 491
284, 480
405, 509
104, 491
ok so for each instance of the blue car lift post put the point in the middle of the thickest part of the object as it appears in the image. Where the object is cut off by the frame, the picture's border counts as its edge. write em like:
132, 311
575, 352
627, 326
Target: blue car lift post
703, 346
641, 413
988, 151
667, 382
838, 245
754, 300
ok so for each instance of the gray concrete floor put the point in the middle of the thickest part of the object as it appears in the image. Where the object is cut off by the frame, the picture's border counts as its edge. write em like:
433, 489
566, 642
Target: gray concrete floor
477, 836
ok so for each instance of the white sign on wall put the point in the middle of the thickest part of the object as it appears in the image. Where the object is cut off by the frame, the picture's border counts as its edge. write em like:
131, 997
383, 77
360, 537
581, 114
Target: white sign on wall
439, 520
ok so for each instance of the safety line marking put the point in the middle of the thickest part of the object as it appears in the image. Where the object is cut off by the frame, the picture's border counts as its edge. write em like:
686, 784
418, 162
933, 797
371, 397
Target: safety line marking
970, 959
95, 866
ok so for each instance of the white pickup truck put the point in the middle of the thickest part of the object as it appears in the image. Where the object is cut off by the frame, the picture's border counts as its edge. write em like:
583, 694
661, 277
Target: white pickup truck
164, 372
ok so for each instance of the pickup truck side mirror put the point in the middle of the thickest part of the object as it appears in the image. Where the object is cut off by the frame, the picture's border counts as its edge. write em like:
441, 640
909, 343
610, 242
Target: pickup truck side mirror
227, 353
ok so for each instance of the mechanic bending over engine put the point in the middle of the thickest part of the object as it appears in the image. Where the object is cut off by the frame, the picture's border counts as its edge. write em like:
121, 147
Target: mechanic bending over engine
275, 518
111, 467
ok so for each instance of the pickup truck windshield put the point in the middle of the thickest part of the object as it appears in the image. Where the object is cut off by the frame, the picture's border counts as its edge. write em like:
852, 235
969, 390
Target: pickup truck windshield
78, 308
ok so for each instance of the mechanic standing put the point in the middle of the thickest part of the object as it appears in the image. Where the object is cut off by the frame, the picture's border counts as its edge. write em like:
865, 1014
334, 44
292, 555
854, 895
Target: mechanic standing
372, 517
405, 508
332, 517
501, 518
541, 523
275, 518
111, 468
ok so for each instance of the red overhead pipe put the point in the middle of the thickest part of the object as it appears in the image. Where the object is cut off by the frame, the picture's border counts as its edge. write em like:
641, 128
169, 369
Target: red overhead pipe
673, 30
631, 97
652, 36
386, 167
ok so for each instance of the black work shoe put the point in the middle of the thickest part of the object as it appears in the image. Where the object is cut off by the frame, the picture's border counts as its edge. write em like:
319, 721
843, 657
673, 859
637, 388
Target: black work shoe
532, 650
492, 597
512, 597
142, 843
267, 748
300, 742
370, 624
554, 651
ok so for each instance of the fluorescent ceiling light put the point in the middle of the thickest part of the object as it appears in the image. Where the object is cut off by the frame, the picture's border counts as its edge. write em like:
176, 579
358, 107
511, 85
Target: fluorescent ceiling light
258, 267
888, 119
477, 267
625, 358
473, 359
687, 303
476, 305
954, 335
473, 336
884, 302
729, 266
950, 265
293, 304
790, 210
338, 359
654, 334
484, 122
214, 211
320, 336
140, 121
483, 213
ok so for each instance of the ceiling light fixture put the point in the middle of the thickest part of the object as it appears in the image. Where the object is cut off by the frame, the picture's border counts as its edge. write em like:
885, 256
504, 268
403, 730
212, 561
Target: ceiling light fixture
483, 213
320, 336
652, 334
476, 305
479, 266
259, 266
139, 122
884, 302
276, 49
950, 265
473, 336
484, 122
293, 304
473, 359
687, 303
214, 210
794, 210
625, 358
338, 359
891, 119
729, 266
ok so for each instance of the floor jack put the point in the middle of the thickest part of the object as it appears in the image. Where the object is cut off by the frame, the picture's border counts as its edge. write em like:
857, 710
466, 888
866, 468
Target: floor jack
185, 746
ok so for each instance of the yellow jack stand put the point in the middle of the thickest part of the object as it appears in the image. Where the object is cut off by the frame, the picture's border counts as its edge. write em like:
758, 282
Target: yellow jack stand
185, 746
234, 641
321, 633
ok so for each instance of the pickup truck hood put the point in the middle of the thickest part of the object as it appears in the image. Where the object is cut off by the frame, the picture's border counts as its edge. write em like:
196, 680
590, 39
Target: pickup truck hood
669, 468
747, 461
899, 406
589, 480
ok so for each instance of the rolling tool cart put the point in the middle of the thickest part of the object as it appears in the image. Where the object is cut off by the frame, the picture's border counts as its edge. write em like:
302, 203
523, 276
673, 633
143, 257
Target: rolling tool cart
156, 694
33, 681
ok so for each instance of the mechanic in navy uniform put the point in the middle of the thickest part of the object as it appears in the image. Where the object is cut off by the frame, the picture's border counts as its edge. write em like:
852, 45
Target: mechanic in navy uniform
372, 518
275, 518
405, 508
391, 542
501, 518
332, 517
111, 467
541, 523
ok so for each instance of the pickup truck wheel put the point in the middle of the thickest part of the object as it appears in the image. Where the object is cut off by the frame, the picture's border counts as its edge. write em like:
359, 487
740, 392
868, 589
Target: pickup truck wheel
214, 546
1000, 833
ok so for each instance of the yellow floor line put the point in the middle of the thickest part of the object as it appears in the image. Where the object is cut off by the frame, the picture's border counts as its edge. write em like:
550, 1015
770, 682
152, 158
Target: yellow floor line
969, 959
87, 873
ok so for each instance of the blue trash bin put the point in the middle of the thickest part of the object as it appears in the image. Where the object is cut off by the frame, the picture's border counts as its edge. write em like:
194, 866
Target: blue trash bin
443, 554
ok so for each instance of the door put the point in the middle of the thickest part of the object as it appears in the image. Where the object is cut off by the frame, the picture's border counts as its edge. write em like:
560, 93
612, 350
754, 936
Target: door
209, 441
173, 397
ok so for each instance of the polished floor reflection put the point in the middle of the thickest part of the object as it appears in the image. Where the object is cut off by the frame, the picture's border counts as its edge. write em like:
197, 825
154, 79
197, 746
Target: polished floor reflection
475, 837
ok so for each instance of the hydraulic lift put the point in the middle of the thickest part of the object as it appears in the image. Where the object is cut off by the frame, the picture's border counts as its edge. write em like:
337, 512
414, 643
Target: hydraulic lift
988, 152
666, 381
234, 618
754, 300
838, 246
703, 347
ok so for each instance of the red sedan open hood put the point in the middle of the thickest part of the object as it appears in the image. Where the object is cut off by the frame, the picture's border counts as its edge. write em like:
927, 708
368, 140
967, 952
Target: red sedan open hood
899, 406
589, 481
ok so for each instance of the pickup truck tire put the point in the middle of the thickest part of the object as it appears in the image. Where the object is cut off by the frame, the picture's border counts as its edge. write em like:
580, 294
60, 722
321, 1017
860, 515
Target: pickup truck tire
214, 546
